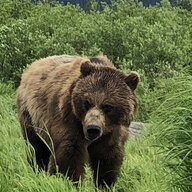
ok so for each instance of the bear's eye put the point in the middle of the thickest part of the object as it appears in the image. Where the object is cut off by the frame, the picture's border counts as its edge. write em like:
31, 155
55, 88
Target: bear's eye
107, 108
87, 105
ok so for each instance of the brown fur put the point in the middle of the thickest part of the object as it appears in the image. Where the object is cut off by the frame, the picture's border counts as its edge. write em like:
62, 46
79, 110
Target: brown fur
60, 97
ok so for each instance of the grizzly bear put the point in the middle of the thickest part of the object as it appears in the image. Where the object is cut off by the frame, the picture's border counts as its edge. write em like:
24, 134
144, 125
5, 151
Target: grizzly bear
75, 110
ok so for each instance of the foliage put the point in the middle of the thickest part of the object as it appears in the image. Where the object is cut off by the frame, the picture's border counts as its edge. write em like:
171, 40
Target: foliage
154, 41
13, 10
185, 4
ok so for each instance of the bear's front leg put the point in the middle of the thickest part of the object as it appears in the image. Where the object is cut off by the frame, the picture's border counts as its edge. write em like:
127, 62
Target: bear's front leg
106, 164
70, 157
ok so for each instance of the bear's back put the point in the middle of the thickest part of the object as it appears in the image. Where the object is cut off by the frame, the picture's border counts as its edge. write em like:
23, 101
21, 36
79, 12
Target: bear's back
59, 67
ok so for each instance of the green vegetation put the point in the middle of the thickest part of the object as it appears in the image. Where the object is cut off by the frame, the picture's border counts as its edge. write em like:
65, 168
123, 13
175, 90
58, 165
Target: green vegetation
160, 160
155, 41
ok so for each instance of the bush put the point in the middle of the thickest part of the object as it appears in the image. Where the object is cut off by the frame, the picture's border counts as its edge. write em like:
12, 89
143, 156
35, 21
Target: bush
154, 41
13, 10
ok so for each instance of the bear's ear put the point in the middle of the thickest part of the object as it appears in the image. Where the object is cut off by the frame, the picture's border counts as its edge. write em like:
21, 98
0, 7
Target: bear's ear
86, 68
132, 80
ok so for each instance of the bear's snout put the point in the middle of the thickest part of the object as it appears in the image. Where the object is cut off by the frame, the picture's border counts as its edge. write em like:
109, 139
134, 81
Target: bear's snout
93, 124
93, 132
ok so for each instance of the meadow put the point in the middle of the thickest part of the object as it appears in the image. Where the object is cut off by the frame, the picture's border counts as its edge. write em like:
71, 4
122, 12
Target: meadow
155, 41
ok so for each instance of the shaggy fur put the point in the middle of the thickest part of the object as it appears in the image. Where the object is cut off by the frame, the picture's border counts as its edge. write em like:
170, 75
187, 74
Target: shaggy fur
60, 98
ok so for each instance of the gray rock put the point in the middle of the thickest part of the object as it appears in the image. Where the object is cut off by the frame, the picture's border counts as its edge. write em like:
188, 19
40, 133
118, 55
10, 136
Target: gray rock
135, 129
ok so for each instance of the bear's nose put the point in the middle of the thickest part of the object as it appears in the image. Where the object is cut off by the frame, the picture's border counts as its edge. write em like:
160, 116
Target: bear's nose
93, 131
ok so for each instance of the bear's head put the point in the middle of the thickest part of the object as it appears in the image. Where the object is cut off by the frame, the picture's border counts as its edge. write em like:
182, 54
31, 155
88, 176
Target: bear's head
103, 99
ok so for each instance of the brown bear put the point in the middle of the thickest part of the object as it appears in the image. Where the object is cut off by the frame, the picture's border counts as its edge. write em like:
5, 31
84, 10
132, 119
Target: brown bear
75, 110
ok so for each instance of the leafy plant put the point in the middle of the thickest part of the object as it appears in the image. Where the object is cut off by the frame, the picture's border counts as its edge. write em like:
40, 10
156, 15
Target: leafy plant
155, 40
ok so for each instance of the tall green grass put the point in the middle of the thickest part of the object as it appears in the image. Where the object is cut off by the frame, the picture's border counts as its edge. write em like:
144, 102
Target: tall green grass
158, 161
173, 126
